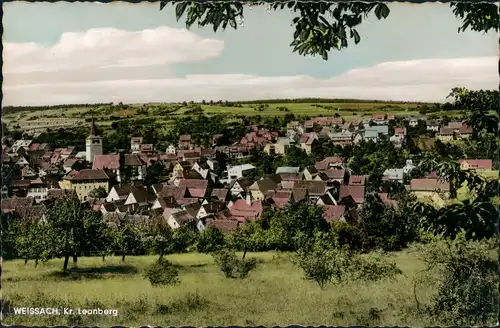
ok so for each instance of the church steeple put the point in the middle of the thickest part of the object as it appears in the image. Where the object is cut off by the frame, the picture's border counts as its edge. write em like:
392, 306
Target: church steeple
92, 129
93, 143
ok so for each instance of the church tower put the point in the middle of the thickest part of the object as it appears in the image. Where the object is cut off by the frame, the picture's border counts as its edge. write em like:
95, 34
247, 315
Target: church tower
93, 143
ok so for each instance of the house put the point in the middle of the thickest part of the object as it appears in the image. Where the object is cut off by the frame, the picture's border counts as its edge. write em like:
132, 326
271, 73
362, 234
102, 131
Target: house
357, 180
9, 205
326, 199
245, 209
357, 193
379, 119
259, 188
196, 188
18, 144
430, 188
343, 138
288, 177
331, 175
329, 162
382, 130
38, 190
413, 122
287, 169
221, 194
315, 189
281, 198
135, 144
476, 164
84, 181
310, 173
224, 225
393, 175
409, 166
185, 141
240, 171
464, 132
307, 140
121, 165
400, 132
119, 193
178, 218
334, 213
370, 135
433, 125
28, 173
277, 148
445, 134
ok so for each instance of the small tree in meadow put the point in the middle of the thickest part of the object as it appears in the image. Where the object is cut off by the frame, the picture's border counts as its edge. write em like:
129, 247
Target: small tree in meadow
162, 273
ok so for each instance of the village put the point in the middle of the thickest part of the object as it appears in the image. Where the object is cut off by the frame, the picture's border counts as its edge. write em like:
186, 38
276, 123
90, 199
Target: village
198, 189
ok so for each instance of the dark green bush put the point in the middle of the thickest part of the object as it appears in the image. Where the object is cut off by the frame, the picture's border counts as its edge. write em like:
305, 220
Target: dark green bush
162, 272
232, 266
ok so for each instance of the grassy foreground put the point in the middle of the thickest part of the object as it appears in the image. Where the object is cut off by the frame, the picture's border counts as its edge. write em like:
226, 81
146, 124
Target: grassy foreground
273, 294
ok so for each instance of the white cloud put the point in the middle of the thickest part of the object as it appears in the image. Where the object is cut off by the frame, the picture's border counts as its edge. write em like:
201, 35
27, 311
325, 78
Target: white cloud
110, 47
104, 65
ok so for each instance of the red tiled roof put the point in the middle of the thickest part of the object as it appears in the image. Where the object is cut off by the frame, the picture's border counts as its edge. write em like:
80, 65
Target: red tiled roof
88, 175
224, 225
478, 163
241, 209
106, 161
333, 212
400, 131
196, 187
356, 192
357, 180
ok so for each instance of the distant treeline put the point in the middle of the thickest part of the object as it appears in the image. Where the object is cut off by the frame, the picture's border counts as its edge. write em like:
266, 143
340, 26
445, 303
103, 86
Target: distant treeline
324, 100
13, 109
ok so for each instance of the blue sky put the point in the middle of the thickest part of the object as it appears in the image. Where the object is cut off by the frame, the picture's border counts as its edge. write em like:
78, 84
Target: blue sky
256, 57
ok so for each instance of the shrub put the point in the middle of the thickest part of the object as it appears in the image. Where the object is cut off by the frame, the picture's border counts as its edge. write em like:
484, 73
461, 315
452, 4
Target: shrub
372, 267
232, 266
161, 273
322, 265
466, 281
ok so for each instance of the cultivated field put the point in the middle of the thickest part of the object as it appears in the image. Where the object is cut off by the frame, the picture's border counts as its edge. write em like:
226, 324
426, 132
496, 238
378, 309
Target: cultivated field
165, 113
274, 294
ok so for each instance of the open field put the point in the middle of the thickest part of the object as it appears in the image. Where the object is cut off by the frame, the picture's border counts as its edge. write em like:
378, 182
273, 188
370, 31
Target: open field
273, 294
67, 117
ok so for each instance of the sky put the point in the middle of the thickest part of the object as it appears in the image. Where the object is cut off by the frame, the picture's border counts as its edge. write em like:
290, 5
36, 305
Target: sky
68, 53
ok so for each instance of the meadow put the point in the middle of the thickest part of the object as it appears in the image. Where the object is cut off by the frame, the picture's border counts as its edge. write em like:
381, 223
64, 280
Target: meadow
275, 293
165, 113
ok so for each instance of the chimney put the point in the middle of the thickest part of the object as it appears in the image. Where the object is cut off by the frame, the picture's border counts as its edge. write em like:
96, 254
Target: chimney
249, 199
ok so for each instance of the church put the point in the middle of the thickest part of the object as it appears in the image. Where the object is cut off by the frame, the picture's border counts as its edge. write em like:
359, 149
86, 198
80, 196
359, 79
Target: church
93, 144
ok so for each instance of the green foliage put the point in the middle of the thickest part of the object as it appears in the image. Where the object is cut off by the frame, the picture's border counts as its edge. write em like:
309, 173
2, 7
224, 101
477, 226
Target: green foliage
321, 27
98, 193
372, 267
466, 280
210, 240
324, 262
482, 107
386, 227
127, 238
232, 266
77, 229
162, 273
323, 265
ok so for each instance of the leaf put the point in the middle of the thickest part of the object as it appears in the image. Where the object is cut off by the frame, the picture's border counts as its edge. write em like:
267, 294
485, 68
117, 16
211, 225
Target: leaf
382, 11
180, 9
356, 36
